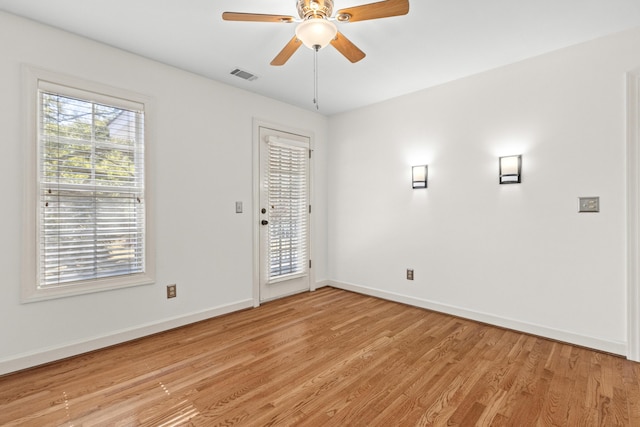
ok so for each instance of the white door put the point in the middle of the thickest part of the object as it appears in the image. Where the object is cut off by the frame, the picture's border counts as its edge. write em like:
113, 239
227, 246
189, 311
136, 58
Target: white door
284, 214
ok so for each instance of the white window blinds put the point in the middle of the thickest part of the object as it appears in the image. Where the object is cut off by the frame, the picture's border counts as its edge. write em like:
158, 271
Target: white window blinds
91, 187
287, 183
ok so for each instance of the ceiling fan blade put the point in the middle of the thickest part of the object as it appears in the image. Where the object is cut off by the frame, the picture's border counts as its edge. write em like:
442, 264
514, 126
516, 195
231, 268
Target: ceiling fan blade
286, 53
382, 9
255, 17
348, 49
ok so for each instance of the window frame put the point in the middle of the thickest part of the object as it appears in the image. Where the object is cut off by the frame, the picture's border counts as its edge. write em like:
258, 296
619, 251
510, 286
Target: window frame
633, 215
33, 79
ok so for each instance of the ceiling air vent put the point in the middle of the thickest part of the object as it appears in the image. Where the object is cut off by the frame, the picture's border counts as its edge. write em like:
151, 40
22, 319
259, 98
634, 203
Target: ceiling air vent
244, 74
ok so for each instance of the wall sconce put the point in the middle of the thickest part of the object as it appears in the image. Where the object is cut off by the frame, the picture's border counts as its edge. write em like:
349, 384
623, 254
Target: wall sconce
419, 176
511, 169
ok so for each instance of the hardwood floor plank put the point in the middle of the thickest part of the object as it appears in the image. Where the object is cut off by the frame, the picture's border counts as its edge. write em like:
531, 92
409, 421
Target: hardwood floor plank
555, 410
329, 358
632, 391
473, 414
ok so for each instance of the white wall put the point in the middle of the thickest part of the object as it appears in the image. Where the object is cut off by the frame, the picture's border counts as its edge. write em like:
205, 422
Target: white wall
513, 255
201, 164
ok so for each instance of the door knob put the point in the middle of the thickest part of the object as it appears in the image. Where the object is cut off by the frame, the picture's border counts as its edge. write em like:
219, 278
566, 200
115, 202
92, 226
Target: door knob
265, 222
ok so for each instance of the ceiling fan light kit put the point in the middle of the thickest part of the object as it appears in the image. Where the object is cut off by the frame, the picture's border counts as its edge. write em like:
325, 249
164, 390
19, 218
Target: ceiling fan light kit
316, 32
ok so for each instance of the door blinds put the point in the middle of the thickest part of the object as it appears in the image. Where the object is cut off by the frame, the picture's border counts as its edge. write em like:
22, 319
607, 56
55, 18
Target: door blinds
288, 209
92, 215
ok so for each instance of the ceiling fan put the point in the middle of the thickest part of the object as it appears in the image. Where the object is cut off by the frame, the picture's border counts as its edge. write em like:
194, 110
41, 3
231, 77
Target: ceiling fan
316, 28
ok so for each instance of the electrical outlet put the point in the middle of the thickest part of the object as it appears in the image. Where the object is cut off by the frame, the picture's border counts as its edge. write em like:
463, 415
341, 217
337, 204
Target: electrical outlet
409, 274
171, 291
589, 204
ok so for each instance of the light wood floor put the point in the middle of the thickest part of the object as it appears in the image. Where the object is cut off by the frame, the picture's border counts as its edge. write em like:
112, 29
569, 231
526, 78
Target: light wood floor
329, 358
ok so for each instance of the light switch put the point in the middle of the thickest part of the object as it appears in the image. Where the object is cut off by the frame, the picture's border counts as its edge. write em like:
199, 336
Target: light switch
589, 204
238, 207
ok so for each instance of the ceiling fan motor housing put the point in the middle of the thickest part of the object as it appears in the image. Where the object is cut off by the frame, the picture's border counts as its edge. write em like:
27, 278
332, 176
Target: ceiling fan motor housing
315, 8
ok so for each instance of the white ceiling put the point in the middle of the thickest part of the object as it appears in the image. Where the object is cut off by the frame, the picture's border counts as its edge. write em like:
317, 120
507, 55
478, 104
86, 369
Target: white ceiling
438, 41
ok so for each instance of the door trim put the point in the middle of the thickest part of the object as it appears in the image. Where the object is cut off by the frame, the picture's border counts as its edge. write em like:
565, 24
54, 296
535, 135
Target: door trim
257, 124
633, 215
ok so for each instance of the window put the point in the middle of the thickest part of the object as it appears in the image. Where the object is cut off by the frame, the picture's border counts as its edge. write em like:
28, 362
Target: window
91, 205
288, 202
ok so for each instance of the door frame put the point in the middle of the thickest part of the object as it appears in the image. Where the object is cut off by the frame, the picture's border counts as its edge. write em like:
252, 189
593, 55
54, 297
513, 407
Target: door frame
633, 215
257, 124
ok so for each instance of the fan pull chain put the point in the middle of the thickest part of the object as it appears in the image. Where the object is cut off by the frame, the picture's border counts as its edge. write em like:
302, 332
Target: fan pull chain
316, 48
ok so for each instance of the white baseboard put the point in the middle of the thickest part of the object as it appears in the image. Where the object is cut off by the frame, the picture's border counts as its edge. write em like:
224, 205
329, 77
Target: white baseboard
322, 284
46, 355
614, 347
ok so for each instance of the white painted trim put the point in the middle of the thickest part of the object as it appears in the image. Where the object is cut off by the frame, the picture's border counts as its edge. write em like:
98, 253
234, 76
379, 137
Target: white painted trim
47, 355
321, 284
313, 214
257, 124
633, 215
529, 328
255, 179
33, 78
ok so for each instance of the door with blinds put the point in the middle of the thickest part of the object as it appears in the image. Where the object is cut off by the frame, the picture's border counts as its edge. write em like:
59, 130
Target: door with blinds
284, 214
